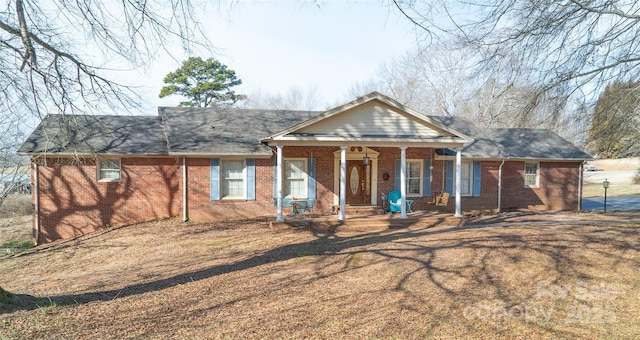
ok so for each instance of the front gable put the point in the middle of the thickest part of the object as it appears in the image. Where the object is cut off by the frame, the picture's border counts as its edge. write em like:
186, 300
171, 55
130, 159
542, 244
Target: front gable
373, 118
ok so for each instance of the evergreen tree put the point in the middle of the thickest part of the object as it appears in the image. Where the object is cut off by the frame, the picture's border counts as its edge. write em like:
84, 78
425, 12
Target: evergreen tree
615, 128
204, 82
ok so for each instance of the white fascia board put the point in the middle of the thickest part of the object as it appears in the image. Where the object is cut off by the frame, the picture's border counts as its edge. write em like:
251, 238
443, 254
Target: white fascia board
369, 143
445, 140
508, 159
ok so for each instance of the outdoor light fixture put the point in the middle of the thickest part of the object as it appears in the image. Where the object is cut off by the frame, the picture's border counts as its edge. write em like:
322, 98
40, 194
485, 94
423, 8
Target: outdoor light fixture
366, 159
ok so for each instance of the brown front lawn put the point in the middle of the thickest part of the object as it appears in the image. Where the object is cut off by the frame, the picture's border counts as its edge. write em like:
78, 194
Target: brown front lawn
532, 276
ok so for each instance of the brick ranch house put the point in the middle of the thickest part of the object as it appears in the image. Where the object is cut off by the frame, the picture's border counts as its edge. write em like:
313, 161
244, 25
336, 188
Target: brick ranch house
203, 164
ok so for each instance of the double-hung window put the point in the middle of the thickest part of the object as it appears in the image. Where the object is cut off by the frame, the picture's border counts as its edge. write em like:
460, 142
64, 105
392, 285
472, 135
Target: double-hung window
532, 174
417, 177
414, 177
466, 179
295, 178
109, 170
233, 179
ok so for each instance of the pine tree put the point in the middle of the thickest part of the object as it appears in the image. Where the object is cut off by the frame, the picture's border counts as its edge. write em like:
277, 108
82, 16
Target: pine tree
615, 128
205, 82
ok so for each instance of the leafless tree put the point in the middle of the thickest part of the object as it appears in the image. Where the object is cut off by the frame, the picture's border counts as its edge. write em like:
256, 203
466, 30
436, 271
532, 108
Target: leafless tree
59, 57
565, 51
13, 168
583, 43
63, 56
294, 99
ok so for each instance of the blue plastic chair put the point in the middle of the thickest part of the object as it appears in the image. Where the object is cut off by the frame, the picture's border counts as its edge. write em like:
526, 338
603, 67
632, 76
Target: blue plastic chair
395, 202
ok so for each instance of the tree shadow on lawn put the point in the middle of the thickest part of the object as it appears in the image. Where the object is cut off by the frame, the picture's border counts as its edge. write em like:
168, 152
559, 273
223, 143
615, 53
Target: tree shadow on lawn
415, 245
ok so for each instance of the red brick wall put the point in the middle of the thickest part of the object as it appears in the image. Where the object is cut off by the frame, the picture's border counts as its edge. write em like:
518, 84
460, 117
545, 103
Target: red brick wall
202, 208
559, 182
72, 202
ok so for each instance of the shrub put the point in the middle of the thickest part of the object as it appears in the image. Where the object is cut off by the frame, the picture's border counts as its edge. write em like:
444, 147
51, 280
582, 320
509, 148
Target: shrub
636, 178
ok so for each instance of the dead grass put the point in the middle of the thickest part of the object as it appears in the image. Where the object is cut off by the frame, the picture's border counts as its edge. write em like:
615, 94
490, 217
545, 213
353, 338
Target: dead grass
16, 205
510, 275
615, 189
15, 220
618, 164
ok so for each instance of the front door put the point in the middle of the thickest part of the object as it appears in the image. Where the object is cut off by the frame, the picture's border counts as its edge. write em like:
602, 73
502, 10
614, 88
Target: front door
358, 183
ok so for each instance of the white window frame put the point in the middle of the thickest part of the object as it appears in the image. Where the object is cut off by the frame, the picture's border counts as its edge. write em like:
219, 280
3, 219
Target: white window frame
420, 163
470, 178
224, 182
537, 174
286, 187
106, 165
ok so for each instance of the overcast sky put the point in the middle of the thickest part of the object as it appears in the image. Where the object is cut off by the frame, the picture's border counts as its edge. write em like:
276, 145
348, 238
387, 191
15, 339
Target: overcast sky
274, 46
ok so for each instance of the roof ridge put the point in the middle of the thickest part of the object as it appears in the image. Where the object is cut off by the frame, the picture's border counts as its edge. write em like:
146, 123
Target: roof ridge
219, 109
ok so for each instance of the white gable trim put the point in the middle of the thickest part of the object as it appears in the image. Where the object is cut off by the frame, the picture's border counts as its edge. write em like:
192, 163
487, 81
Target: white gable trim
456, 137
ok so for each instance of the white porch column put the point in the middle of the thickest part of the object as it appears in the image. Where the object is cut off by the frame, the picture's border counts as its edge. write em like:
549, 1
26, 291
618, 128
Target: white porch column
279, 182
185, 213
403, 182
458, 180
343, 182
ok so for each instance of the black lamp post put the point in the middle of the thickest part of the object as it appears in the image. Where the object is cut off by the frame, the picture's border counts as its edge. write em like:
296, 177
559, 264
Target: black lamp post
605, 185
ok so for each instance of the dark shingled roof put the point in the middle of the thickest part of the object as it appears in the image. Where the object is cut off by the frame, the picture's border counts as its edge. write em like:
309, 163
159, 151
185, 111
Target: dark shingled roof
121, 135
211, 131
225, 131
494, 143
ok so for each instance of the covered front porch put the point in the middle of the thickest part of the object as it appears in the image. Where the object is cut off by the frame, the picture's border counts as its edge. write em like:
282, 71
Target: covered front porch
353, 181
365, 150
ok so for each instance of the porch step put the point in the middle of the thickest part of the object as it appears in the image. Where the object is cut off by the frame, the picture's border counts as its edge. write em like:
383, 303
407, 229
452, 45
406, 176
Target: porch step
370, 223
362, 210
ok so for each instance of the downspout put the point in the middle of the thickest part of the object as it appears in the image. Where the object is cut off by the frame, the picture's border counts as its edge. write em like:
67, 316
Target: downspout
36, 206
185, 214
500, 186
580, 179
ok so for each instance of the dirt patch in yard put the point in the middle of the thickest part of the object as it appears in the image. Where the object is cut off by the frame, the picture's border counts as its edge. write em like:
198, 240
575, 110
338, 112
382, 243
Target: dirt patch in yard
518, 275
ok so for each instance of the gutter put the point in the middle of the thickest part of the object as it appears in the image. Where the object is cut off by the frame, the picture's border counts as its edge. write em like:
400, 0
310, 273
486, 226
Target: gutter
500, 186
185, 213
36, 206
580, 180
